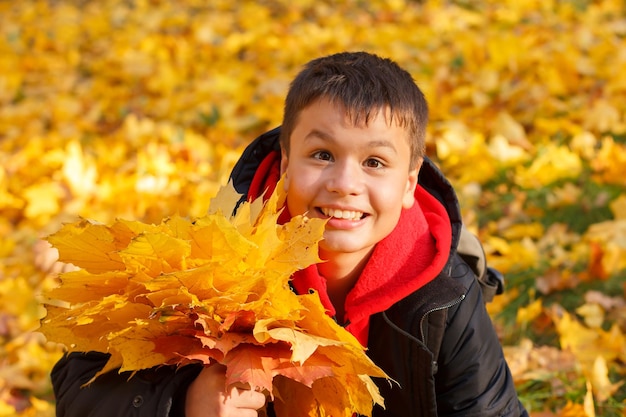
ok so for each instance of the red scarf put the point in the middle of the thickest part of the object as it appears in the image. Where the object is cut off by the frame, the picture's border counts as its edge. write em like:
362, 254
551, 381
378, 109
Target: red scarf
407, 259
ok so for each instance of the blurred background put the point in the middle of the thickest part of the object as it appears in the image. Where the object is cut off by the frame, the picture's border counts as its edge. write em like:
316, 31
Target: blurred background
138, 110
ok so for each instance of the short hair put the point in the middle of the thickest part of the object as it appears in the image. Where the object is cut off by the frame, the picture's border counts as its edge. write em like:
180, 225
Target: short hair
364, 84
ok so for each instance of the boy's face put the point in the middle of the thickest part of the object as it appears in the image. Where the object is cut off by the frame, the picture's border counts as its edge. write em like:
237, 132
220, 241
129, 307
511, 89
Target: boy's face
358, 177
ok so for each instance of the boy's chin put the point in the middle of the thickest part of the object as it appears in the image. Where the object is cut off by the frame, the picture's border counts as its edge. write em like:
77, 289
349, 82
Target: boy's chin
330, 248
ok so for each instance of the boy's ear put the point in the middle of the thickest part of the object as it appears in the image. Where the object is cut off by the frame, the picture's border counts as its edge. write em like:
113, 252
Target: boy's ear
284, 162
411, 183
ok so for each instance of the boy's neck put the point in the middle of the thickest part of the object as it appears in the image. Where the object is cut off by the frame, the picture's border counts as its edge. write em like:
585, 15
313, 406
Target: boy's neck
342, 266
341, 272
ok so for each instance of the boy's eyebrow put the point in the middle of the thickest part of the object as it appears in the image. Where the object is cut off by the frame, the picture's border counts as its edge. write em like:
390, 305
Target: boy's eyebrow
315, 133
319, 135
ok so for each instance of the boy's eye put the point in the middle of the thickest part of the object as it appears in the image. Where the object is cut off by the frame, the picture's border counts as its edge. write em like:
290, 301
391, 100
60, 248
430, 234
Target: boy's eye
373, 163
322, 156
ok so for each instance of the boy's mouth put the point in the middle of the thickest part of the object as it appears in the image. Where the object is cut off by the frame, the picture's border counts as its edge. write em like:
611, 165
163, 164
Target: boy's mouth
342, 214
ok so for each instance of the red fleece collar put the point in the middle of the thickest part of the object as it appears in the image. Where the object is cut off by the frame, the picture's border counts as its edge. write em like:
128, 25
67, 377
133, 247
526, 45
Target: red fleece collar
265, 177
406, 260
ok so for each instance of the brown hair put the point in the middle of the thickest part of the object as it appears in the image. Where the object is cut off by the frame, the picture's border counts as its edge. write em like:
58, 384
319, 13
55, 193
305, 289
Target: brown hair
364, 84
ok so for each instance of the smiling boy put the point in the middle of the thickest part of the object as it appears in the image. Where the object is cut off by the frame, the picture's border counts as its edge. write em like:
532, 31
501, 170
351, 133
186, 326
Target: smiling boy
357, 177
351, 149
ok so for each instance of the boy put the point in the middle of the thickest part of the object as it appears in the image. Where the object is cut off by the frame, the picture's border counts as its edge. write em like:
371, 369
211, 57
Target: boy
351, 149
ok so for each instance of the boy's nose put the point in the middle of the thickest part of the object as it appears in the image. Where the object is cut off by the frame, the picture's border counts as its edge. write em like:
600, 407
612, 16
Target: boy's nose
346, 178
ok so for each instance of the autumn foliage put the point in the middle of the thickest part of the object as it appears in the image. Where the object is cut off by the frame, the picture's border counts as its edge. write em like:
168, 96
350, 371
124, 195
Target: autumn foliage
213, 289
137, 110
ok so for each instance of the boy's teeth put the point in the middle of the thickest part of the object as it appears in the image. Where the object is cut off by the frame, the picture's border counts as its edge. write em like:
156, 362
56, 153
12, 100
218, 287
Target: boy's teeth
342, 214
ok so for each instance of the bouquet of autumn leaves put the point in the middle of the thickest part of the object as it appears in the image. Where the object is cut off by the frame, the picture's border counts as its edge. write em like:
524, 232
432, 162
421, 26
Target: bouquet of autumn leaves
211, 289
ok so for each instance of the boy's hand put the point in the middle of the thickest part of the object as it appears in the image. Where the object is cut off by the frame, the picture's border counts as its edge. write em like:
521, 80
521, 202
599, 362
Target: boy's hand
207, 397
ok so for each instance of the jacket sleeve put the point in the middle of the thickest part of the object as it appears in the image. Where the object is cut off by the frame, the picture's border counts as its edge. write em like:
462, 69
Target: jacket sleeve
473, 378
157, 392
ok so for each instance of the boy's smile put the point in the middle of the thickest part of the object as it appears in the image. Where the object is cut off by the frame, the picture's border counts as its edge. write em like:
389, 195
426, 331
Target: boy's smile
357, 177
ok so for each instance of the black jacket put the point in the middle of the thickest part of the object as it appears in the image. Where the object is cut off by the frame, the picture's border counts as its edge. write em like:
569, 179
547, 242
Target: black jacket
438, 344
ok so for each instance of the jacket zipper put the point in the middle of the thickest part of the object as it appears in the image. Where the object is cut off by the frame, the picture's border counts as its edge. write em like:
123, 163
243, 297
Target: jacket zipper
441, 307
409, 335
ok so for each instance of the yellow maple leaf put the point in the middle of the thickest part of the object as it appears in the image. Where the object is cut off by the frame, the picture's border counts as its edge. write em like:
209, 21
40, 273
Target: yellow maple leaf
618, 207
609, 161
592, 313
95, 251
43, 200
609, 237
587, 344
552, 163
600, 383
155, 254
529, 313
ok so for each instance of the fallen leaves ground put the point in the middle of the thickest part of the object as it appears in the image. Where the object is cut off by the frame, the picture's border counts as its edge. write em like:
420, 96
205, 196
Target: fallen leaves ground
138, 109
